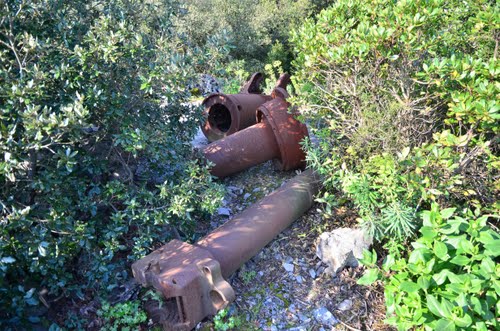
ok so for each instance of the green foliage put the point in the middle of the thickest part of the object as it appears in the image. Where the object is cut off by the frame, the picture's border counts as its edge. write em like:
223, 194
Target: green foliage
235, 76
224, 322
122, 316
251, 27
248, 276
94, 132
403, 97
450, 279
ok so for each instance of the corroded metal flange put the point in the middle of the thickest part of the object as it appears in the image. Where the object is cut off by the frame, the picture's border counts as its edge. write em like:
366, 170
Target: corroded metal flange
184, 274
288, 133
276, 136
226, 114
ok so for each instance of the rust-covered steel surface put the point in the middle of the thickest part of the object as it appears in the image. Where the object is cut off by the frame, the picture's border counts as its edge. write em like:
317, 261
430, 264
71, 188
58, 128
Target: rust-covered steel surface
245, 148
277, 136
288, 133
190, 280
226, 114
245, 234
191, 277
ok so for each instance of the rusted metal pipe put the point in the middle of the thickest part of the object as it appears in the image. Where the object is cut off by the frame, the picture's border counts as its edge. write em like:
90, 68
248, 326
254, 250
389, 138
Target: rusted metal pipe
276, 135
226, 114
192, 277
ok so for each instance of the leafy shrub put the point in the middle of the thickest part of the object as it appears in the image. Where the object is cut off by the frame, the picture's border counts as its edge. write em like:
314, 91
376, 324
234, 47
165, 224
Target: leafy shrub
450, 279
122, 316
95, 128
380, 80
251, 27
223, 321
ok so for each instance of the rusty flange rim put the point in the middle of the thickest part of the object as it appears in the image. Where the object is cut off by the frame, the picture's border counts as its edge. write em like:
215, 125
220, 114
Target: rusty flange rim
213, 133
288, 131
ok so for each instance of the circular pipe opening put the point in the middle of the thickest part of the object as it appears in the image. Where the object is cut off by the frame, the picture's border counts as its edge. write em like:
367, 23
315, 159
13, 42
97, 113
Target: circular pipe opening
219, 117
217, 299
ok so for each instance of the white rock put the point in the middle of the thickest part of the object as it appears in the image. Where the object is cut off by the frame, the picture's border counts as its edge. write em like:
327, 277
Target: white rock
324, 316
312, 273
298, 328
199, 141
342, 247
246, 196
304, 318
288, 267
345, 305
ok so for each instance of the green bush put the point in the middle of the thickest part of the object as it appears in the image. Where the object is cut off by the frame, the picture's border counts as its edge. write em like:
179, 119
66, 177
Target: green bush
122, 316
224, 322
450, 279
95, 128
403, 97
251, 28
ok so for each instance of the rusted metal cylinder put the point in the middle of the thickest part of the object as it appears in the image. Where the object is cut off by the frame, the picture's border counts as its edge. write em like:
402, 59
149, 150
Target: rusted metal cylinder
276, 136
245, 148
242, 237
226, 114
191, 277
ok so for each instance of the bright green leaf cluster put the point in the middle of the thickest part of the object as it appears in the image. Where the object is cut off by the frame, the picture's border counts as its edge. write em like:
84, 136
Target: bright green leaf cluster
450, 280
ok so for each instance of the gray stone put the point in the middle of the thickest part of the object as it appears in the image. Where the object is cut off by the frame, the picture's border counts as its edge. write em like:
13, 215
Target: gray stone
288, 267
298, 328
299, 279
224, 211
199, 141
312, 273
304, 318
345, 305
246, 196
342, 247
324, 316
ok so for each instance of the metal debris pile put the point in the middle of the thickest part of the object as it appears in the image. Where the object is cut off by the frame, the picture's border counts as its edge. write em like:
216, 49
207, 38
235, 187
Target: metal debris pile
245, 129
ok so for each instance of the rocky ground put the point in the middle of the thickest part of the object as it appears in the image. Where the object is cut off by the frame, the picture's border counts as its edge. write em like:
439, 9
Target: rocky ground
285, 287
